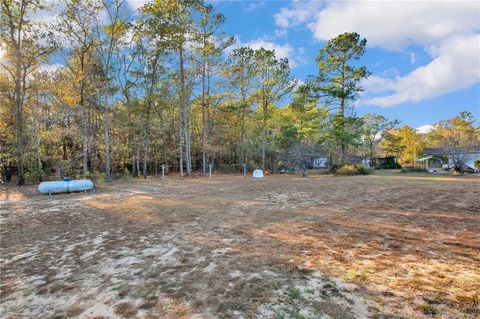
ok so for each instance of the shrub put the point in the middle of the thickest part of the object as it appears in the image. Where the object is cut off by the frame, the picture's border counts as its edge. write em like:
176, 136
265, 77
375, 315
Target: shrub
388, 165
127, 175
347, 169
33, 176
363, 170
96, 176
353, 169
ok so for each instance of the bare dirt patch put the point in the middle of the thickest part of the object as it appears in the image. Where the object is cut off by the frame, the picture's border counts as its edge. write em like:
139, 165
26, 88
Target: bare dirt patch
229, 247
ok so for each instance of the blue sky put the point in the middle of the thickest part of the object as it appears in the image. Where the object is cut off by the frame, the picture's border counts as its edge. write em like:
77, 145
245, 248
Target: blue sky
424, 56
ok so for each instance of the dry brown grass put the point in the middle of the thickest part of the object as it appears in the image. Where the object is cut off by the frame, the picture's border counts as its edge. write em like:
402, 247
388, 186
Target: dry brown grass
403, 246
126, 310
396, 265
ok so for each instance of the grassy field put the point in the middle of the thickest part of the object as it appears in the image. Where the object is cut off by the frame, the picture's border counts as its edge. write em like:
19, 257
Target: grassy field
381, 246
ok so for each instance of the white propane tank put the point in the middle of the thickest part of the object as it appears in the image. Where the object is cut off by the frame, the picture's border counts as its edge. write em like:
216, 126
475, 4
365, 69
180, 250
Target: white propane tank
65, 186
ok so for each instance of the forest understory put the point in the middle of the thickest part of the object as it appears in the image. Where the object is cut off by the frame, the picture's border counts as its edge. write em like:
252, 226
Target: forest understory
380, 246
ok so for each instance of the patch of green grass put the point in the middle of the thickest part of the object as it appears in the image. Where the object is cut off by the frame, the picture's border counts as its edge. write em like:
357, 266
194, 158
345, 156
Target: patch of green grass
310, 291
295, 294
476, 300
274, 284
428, 309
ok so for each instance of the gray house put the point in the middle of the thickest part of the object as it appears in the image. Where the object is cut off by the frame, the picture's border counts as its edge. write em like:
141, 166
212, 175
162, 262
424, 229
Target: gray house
467, 155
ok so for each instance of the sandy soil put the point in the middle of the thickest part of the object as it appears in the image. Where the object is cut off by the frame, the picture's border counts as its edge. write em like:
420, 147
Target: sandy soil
280, 247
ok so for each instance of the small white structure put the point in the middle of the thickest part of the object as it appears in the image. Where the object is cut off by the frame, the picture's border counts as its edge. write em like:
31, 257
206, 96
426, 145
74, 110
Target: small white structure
320, 162
258, 173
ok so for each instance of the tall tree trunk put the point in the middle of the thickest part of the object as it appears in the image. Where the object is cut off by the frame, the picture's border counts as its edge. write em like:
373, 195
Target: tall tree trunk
84, 116
91, 138
108, 177
149, 101
85, 140
137, 162
164, 138
39, 165
20, 75
343, 142
106, 132
164, 135
264, 133
165, 157
156, 160
344, 152
85, 144
204, 157
342, 123
180, 151
134, 167
243, 157
146, 136
242, 138
19, 124
185, 114
188, 155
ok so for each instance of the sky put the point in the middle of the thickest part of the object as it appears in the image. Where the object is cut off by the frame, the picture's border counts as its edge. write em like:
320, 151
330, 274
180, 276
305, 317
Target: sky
424, 55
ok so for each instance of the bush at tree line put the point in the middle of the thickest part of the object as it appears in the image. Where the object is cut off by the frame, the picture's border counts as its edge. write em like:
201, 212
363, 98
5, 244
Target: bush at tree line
353, 169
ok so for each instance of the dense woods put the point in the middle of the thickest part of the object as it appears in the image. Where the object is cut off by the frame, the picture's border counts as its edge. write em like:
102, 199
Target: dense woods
163, 85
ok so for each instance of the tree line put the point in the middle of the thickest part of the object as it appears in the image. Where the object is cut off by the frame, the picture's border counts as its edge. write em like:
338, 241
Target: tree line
163, 85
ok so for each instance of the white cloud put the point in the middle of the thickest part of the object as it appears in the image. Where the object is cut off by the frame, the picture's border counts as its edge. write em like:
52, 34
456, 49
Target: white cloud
455, 67
281, 51
136, 4
254, 5
49, 14
299, 83
424, 129
299, 13
447, 30
396, 24
377, 84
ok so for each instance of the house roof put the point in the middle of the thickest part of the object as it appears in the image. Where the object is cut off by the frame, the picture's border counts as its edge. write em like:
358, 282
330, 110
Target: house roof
384, 157
456, 150
423, 159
